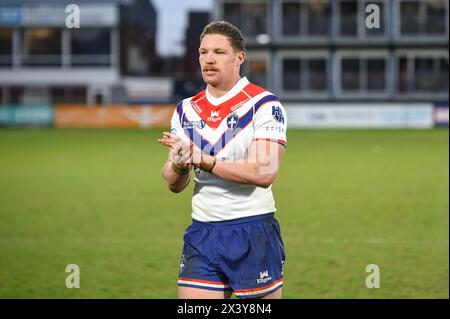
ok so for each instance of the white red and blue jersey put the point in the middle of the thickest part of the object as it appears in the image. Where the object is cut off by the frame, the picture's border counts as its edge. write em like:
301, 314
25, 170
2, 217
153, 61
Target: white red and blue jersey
225, 127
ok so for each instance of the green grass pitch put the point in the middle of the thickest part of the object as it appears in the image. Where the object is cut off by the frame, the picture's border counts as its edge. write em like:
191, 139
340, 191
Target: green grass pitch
345, 199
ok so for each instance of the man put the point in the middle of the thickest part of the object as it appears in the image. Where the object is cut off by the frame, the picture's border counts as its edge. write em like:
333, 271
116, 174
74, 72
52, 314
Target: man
233, 134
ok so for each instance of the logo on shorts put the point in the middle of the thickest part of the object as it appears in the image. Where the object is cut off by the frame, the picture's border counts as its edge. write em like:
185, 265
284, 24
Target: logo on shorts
263, 277
182, 264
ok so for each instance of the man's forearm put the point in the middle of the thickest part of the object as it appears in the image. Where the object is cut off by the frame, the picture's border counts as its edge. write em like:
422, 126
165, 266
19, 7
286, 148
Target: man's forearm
243, 173
240, 171
176, 182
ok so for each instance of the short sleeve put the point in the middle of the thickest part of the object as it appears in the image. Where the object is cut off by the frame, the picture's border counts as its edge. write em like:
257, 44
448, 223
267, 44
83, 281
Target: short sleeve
175, 123
270, 123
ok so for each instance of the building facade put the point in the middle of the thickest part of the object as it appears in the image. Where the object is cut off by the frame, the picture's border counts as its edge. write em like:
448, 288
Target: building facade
106, 60
345, 50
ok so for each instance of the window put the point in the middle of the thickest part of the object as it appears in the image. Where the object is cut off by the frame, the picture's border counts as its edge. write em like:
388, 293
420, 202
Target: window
70, 95
319, 16
232, 13
41, 46
435, 17
257, 71
375, 31
376, 74
352, 15
410, 23
5, 47
250, 17
306, 74
349, 18
256, 68
317, 74
291, 19
423, 17
363, 73
424, 74
350, 77
91, 46
255, 19
421, 73
403, 81
443, 75
35, 95
291, 74
57, 95
307, 18
16, 95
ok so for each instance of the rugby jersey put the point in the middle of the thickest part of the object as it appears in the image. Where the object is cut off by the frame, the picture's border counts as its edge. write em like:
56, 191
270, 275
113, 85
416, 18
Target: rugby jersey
225, 127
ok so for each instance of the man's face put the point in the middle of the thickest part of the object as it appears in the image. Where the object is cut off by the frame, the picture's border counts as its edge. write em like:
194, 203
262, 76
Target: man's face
219, 63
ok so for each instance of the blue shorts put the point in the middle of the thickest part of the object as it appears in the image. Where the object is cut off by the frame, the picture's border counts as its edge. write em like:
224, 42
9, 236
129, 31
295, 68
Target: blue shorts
244, 255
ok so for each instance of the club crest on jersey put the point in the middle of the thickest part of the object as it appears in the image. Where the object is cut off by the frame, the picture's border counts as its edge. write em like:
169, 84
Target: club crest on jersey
232, 121
194, 124
277, 114
214, 117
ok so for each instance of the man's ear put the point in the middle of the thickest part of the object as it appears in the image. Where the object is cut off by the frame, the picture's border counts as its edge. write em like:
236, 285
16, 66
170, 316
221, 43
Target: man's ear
241, 58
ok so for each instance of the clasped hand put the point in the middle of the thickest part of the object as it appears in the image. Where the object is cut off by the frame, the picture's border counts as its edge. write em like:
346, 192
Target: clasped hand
180, 152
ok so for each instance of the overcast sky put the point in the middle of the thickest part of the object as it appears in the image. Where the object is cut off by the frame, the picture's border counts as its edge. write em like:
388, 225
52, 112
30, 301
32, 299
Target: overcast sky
172, 20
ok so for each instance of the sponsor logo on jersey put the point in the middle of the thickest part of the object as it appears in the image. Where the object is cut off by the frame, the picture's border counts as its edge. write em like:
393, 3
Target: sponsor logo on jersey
276, 128
194, 124
277, 114
214, 117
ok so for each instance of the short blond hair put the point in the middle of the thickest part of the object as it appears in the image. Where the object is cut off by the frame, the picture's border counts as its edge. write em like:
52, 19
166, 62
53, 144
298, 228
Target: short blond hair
233, 34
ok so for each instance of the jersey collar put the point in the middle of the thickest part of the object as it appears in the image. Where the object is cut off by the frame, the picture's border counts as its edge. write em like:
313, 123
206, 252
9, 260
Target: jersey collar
241, 84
